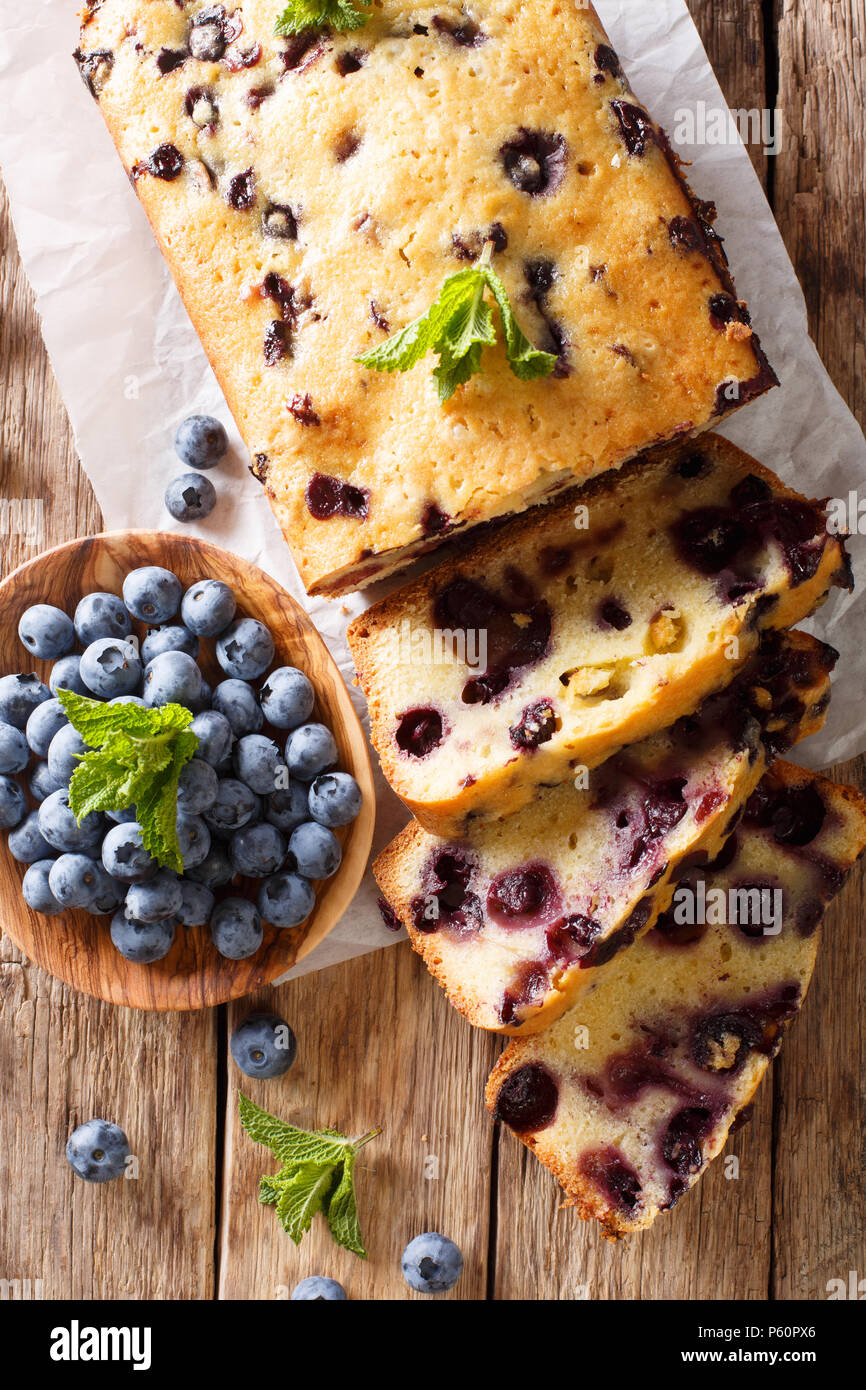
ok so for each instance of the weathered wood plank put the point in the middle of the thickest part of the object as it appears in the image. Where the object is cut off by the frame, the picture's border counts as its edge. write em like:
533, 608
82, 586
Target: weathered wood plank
63, 1057
820, 203
378, 1044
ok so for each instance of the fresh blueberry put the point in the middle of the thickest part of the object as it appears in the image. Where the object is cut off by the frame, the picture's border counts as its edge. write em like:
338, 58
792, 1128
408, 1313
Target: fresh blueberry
201, 441
234, 807
129, 700
124, 817
236, 928
237, 702
214, 734
197, 787
264, 1046
317, 1289
109, 893
19, 696
286, 900
214, 871
152, 594
14, 748
36, 890
208, 607
124, 855
42, 784
101, 615
316, 850
66, 675
64, 752
259, 763
245, 650
172, 638
203, 703
191, 497
172, 678
98, 1151
73, 880
431, 1263
26, 842
13, 803
62, 831
335, 799
155, 899
288, 808
46, 632
196, 904
257, 851
45, 721
194, 840
141, 942
110, 666
287, 698
310, 750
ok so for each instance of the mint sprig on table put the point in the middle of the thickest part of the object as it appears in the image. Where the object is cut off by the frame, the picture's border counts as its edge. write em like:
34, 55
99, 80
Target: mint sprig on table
458, 324
135, 758
301, 15
318, 1175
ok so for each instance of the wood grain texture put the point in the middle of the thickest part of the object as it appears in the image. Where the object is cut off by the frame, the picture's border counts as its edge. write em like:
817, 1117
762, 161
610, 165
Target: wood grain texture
75, 945
378, 1045
820, 203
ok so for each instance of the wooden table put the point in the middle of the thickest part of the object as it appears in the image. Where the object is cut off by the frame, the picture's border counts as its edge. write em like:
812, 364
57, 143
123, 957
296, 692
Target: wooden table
378, 1042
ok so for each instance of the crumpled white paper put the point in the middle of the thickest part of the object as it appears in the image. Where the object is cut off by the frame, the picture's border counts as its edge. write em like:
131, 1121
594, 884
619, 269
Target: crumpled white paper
130, 366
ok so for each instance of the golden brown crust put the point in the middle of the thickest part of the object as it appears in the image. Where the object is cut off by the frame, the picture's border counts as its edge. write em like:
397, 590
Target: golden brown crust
381, 226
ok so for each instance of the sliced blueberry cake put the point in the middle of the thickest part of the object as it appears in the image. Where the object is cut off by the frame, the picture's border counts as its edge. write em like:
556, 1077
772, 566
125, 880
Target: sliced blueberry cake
313, 192
634, 1091
515, 919
569, 633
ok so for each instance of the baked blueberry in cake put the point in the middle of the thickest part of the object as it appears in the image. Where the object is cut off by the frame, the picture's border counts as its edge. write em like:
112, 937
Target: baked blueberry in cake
312, 193
591, 624
515, 919
630, 1094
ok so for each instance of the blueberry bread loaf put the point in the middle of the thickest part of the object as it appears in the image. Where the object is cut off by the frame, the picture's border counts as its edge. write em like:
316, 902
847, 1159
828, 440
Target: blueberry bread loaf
515, 920
571, 632
630, 1095
312, 193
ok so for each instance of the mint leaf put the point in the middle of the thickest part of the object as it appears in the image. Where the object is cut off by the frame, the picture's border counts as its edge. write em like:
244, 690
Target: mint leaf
303, 1196
287, 1142
135, 759
458, 324
318, 1175
526, 362
301, 15
341, 1211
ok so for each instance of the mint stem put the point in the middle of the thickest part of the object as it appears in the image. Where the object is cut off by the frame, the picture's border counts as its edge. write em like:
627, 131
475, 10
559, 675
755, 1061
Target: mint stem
372, 1134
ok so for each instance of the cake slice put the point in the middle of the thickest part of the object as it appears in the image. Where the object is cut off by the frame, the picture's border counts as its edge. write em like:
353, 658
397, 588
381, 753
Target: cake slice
515, 920
574, 631
312, 193
630, 1095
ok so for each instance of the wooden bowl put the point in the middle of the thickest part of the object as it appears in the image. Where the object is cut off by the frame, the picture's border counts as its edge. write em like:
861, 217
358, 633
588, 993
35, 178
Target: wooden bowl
75, 946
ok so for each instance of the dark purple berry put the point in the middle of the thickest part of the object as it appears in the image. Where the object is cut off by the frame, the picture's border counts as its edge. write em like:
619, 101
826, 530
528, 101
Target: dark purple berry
528, 1099
535, 161
419, 731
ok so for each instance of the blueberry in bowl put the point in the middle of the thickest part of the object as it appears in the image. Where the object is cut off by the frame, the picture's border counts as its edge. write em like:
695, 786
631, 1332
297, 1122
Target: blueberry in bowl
161, 631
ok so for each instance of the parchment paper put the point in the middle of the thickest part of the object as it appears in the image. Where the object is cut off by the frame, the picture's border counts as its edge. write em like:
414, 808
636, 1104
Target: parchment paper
130, 366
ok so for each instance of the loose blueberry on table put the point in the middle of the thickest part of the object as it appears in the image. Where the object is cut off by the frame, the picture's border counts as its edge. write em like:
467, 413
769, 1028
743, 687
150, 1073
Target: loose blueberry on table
431, 1263
97, 1151
258, 794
